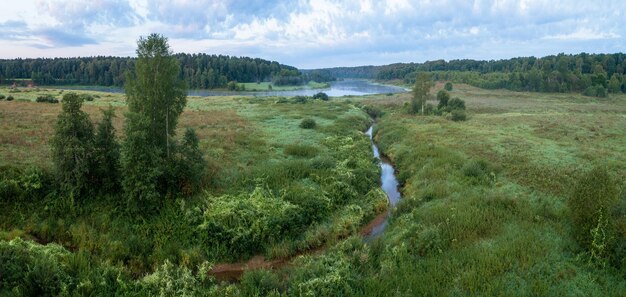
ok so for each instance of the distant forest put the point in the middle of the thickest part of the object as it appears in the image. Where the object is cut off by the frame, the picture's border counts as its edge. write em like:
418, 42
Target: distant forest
199, 71
592, 74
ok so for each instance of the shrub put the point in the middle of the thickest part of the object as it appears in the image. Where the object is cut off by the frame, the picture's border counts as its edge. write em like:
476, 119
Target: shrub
2, 97
321, 96
259, 283
443, 97
9, 98
596, 91
308, 123
456, 103
448, 86
457, 115
429, 109
87, 97
47, 99
594, 197
301, 99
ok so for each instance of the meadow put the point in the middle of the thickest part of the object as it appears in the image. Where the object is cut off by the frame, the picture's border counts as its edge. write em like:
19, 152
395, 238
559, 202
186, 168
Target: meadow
485, 208
274, 189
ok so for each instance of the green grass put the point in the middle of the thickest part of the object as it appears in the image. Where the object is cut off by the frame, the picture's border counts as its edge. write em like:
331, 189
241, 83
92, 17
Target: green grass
484, 209
261, 163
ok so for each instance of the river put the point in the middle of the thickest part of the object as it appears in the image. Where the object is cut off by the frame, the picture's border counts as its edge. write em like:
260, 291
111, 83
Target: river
389, 185
352, 87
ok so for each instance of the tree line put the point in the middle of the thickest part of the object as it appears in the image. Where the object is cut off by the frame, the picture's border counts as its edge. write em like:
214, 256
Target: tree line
592, 74
198, 71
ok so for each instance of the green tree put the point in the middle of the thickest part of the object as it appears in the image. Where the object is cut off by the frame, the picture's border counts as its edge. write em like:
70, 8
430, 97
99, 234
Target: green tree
421, 92
107, 152
456, 104
142, 163
615, 84
443, 97
155, 91
73, 145
448, 86
191, 163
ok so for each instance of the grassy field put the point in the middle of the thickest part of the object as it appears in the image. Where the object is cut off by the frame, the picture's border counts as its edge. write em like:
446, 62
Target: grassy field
265, 86
484, 210
288, 189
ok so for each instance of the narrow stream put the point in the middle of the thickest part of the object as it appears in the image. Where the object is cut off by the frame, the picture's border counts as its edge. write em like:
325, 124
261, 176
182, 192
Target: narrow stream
389, 186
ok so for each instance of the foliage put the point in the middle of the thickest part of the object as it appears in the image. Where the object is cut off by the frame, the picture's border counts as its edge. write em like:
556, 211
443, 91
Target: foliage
457, 115
321, 96
199, 71
443, 97
107, 153
456, 104
595, 91
155, 91
191, 165
308, 123
2, 97
142, 165
73, 146
448, 86
593, 198
47, 99
421, 93
10, 98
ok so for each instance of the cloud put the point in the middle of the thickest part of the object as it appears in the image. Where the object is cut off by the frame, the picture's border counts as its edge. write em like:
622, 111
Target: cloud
316, 33
59, 38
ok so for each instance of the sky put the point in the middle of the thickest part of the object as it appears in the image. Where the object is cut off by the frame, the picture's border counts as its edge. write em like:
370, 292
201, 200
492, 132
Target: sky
316, 33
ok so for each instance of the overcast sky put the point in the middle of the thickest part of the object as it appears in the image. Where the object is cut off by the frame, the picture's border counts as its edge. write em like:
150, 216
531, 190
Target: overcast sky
316, 33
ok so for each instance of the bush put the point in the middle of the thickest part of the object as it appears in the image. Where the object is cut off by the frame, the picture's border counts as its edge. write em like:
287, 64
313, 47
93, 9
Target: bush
308, 123
87, 97
456, 103
10, 98
448, 86
457, 115
596, 91
321, 96
47, 99
429, 109
443, 97
2, 97
594, 197
301, 99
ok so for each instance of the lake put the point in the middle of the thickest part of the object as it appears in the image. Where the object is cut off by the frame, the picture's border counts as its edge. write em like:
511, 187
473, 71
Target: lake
337, 89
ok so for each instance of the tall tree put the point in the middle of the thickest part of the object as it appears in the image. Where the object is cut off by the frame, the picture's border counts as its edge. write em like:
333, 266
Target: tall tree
72, 145
155, 91
421, 92
107, 152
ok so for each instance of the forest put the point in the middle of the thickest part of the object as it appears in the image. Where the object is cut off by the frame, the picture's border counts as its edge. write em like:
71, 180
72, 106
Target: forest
590, 74
198, 71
